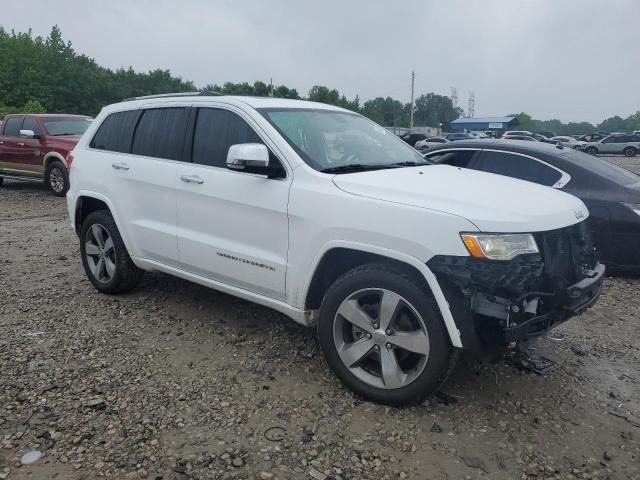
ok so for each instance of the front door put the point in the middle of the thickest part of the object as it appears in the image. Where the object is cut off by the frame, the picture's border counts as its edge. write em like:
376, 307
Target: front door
232, 226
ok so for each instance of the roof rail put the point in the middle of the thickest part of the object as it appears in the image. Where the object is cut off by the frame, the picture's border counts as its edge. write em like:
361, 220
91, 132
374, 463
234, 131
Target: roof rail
171, 95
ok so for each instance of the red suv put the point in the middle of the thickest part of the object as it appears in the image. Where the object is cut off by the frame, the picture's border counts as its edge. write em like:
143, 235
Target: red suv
35, 147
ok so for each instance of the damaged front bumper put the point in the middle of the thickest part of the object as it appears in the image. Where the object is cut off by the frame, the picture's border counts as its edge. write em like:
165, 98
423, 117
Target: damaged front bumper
499, 302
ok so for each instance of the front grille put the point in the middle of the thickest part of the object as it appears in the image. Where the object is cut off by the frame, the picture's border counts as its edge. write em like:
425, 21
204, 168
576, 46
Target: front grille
567, 253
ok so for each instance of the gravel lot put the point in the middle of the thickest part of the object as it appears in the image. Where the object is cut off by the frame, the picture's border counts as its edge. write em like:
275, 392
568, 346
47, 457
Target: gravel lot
175, 381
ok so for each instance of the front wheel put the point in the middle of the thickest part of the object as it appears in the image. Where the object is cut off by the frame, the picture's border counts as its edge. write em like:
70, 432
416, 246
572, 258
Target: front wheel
591, 150
383, 336
57, 178
629, 152
104, 256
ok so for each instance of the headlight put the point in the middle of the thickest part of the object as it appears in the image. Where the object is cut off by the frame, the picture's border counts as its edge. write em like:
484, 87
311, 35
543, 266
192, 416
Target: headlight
499, 246
633, 206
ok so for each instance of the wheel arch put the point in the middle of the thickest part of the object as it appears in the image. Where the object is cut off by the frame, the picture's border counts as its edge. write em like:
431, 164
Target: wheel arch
340, 257
88, 202
52, 156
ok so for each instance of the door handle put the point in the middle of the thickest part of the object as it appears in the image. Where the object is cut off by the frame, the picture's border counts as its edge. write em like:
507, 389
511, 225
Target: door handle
20, 144
120, 166
192, 179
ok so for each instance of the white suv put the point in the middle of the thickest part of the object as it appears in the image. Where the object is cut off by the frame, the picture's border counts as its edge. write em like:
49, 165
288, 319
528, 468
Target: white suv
325, 216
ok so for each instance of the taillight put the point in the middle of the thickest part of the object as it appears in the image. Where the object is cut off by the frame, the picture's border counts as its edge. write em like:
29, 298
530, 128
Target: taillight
69, 160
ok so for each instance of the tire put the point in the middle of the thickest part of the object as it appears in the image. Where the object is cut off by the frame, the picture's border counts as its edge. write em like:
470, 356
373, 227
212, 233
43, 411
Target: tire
420, 374
591, 150
629, 152
117, 274
57, 178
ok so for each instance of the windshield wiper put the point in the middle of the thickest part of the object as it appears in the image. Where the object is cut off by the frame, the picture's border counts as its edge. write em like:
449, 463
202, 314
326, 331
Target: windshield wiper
411, 164
357, 167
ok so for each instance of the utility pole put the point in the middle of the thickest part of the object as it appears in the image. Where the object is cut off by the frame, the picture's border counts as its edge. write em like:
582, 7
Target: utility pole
271, 87
413, 81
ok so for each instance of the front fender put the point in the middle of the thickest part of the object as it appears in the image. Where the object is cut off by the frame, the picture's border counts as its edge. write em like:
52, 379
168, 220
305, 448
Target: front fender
443, 305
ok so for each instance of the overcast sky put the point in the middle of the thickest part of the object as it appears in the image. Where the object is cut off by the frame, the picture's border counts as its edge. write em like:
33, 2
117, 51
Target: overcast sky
568, 59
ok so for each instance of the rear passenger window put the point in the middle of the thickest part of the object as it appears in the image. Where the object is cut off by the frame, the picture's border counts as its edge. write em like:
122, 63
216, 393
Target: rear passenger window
12, 127
116, 132
216, 130
160, 133
517, 166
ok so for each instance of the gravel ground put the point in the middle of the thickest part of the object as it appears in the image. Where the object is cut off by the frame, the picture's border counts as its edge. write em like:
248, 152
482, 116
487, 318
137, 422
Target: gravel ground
175, 381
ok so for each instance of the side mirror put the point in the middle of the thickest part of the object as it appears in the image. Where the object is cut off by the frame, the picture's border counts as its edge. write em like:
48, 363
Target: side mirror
28, 134
249, 157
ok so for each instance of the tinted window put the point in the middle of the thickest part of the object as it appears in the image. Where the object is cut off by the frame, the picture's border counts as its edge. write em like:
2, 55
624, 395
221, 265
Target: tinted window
609, 140
58, 126
600, 167
12, 127
457, 158
116, 132
160, 133
216, 130
517, 166
31, 124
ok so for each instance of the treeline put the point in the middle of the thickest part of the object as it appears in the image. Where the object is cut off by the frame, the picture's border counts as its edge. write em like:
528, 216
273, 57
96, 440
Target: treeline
45, 74
612, 124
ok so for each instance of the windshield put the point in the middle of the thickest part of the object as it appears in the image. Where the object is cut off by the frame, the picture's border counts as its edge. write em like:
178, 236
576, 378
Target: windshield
57, 126
331, 140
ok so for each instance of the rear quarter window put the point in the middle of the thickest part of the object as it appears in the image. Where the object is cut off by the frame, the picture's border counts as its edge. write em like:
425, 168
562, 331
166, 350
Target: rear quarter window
115, 134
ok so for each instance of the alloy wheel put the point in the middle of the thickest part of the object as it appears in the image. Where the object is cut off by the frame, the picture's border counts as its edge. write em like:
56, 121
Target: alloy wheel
381, 338
56, 179
100, 253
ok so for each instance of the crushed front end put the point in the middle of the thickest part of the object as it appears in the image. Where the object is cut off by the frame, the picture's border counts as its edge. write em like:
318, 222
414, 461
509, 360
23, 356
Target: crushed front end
503, 301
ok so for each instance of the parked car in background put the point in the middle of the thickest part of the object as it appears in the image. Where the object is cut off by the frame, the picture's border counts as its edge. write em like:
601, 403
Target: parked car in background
35, 147
479, 135
611, 193
452, 137
592, 137
569, 142
627, 145
405, 264
541, 138
413, 138
527, 138
427, 143
525, 133
547, 134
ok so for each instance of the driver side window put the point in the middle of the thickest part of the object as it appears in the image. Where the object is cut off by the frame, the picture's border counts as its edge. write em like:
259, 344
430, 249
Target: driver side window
216, 130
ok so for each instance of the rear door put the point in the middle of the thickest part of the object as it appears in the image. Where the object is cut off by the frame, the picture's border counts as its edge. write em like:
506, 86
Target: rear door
232, 226
139, 172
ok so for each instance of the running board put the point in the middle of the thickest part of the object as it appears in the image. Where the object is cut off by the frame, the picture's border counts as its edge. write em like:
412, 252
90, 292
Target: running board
22, 179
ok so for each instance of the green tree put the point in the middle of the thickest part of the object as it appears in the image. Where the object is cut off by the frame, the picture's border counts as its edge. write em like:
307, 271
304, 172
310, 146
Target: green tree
433, 109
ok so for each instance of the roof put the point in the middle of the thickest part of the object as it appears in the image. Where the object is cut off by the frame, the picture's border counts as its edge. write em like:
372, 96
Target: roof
483, 120
255, 102
498, 144
47, 115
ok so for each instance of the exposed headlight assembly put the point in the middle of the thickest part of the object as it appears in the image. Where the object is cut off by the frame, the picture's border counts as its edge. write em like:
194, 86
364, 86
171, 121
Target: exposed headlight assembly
499, 246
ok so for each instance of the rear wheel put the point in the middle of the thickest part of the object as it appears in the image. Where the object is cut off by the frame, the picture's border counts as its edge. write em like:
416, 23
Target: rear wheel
104, 257
630, 152
591, 150
383, 336
57, 178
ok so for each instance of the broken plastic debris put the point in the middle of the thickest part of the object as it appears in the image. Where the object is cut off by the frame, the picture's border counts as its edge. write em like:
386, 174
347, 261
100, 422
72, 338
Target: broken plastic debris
31, 457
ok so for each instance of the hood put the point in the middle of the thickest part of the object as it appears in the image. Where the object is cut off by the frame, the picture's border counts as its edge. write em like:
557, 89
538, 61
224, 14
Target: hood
493, 203
64, 140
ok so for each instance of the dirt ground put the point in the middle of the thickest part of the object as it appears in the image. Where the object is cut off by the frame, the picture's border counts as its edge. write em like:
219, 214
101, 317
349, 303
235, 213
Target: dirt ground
175, 381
